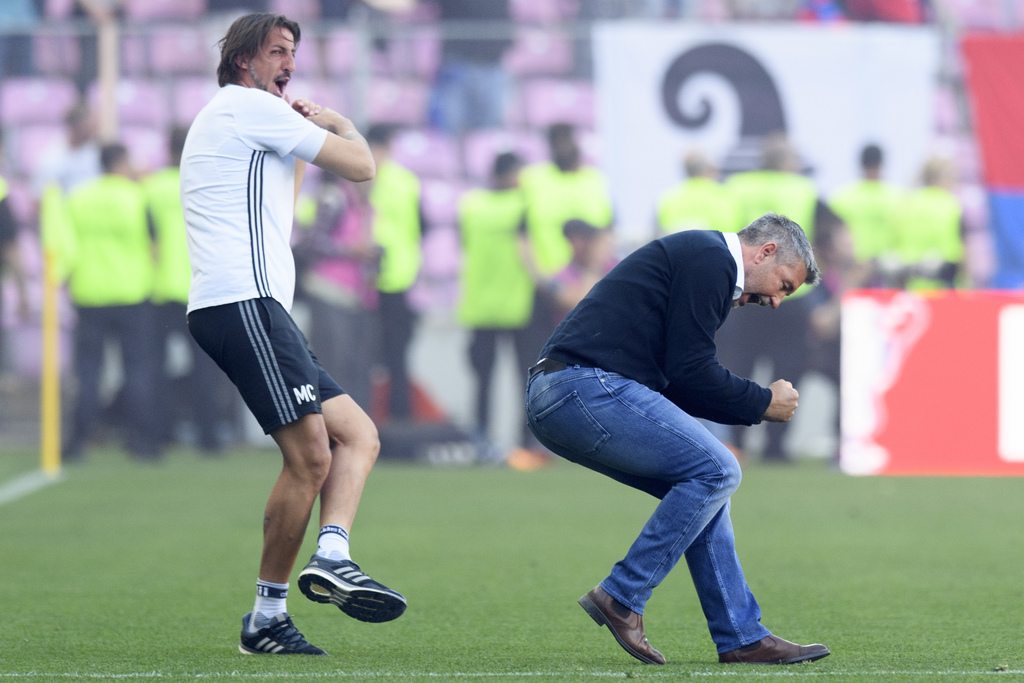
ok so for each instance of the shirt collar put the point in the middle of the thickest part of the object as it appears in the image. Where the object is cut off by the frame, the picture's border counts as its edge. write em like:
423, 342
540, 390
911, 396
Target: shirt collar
732, 241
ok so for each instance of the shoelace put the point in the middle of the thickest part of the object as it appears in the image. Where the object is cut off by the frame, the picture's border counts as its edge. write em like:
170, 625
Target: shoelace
285, 633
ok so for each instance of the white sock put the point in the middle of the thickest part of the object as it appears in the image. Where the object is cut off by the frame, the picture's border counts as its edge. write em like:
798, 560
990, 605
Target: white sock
332, 543
270, 601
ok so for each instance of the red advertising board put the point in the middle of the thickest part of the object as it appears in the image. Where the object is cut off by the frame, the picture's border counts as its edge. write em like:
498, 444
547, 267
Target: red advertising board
933, 383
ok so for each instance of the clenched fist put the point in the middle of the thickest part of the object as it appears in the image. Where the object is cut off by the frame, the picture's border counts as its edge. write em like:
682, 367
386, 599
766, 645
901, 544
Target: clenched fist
784, 402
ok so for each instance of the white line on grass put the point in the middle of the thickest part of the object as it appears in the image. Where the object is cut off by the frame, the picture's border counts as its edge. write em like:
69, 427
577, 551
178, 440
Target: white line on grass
25, 484
784, 673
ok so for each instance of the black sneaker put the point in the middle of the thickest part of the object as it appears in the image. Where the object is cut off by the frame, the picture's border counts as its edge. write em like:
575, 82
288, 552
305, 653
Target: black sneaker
280, 637
340, 582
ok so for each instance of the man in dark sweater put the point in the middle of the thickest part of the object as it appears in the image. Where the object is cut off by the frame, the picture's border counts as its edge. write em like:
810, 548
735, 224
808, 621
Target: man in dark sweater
619, 388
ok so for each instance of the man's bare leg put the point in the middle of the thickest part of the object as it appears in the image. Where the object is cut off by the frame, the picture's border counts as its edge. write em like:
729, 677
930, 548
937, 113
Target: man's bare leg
307, 461
332, 577
354, 447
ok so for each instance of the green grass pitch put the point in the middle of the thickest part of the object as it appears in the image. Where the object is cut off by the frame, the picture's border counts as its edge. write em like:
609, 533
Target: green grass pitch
122, 571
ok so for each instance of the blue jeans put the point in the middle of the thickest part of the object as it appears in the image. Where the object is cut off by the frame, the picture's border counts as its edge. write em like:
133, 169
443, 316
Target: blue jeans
634, 435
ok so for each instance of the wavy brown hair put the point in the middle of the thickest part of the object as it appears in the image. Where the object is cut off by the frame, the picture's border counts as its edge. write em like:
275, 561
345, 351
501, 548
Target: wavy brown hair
245, 38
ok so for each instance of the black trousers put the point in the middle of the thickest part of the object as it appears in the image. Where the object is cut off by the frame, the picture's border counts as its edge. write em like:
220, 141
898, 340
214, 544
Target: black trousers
396, 327
199, 395
483, 349
132, 328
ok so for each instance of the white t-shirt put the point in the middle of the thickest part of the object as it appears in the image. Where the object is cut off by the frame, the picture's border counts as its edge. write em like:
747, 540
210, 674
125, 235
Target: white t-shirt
238, 194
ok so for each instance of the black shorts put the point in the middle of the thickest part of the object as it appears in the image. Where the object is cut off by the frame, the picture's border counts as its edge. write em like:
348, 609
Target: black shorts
267, 357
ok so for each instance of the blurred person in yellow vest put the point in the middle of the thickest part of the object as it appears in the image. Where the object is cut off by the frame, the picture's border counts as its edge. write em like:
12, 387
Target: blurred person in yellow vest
929, 230
110, 281
755, 333
699, 202
496, 286
557, 191
398, 227
868, 207
192, 394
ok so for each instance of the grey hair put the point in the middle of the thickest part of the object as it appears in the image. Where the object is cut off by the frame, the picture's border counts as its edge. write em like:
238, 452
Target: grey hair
793, 245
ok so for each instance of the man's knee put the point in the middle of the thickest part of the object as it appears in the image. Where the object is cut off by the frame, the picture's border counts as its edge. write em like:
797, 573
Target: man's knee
731, 472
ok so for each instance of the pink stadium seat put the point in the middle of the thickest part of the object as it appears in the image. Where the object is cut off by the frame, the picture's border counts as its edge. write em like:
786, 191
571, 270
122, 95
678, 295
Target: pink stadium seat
542, 11
417, 53
548, 100
147, 147
427, 153
340, 49
31, 143
307, 57
139, 102
181, 49
437, 286
325, 92
440, 200
58, 9
394, 101
54, 54
988, 14
150, 10
482, 146
298, 10
135, 55
539, 51
22, 202
35, 100
188, 96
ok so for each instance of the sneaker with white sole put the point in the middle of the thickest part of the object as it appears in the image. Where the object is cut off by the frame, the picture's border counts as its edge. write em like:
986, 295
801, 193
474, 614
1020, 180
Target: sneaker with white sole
342, 583
279, 637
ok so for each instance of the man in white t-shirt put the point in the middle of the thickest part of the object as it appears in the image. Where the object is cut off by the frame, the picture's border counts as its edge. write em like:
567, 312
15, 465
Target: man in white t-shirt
241, 169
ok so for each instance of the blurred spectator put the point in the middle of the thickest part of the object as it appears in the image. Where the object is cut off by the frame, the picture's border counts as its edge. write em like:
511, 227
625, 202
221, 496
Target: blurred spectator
841, 270
763, 10
195, 396
592, 257
497, 289
820, 10
471, 85
930, 230
111, 280
698, 203
74, 161
868, 207
18, 19
557, 191
97, 12
899, 11
755, 333
338, 278
398, 227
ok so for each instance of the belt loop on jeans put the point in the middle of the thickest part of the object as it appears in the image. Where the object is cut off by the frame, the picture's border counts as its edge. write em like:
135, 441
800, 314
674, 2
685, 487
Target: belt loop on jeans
544, 366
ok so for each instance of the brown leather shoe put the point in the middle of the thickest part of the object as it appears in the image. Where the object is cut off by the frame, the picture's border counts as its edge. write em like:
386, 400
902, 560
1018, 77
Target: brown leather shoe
774, 650
626, 625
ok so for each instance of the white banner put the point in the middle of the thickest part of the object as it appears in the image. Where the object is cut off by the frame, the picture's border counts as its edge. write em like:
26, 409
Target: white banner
664, 89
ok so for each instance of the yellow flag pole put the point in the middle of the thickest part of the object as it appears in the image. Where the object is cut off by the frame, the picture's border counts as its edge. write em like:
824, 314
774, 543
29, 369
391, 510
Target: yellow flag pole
50, 380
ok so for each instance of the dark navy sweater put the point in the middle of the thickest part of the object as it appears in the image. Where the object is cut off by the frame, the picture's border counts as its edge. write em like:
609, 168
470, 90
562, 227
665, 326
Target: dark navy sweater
653, 319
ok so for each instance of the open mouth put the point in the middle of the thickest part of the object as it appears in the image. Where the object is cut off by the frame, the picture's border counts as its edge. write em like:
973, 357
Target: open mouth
281, 84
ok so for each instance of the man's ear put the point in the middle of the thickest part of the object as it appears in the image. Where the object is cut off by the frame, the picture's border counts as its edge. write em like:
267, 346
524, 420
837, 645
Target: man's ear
767, 249
242, 63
